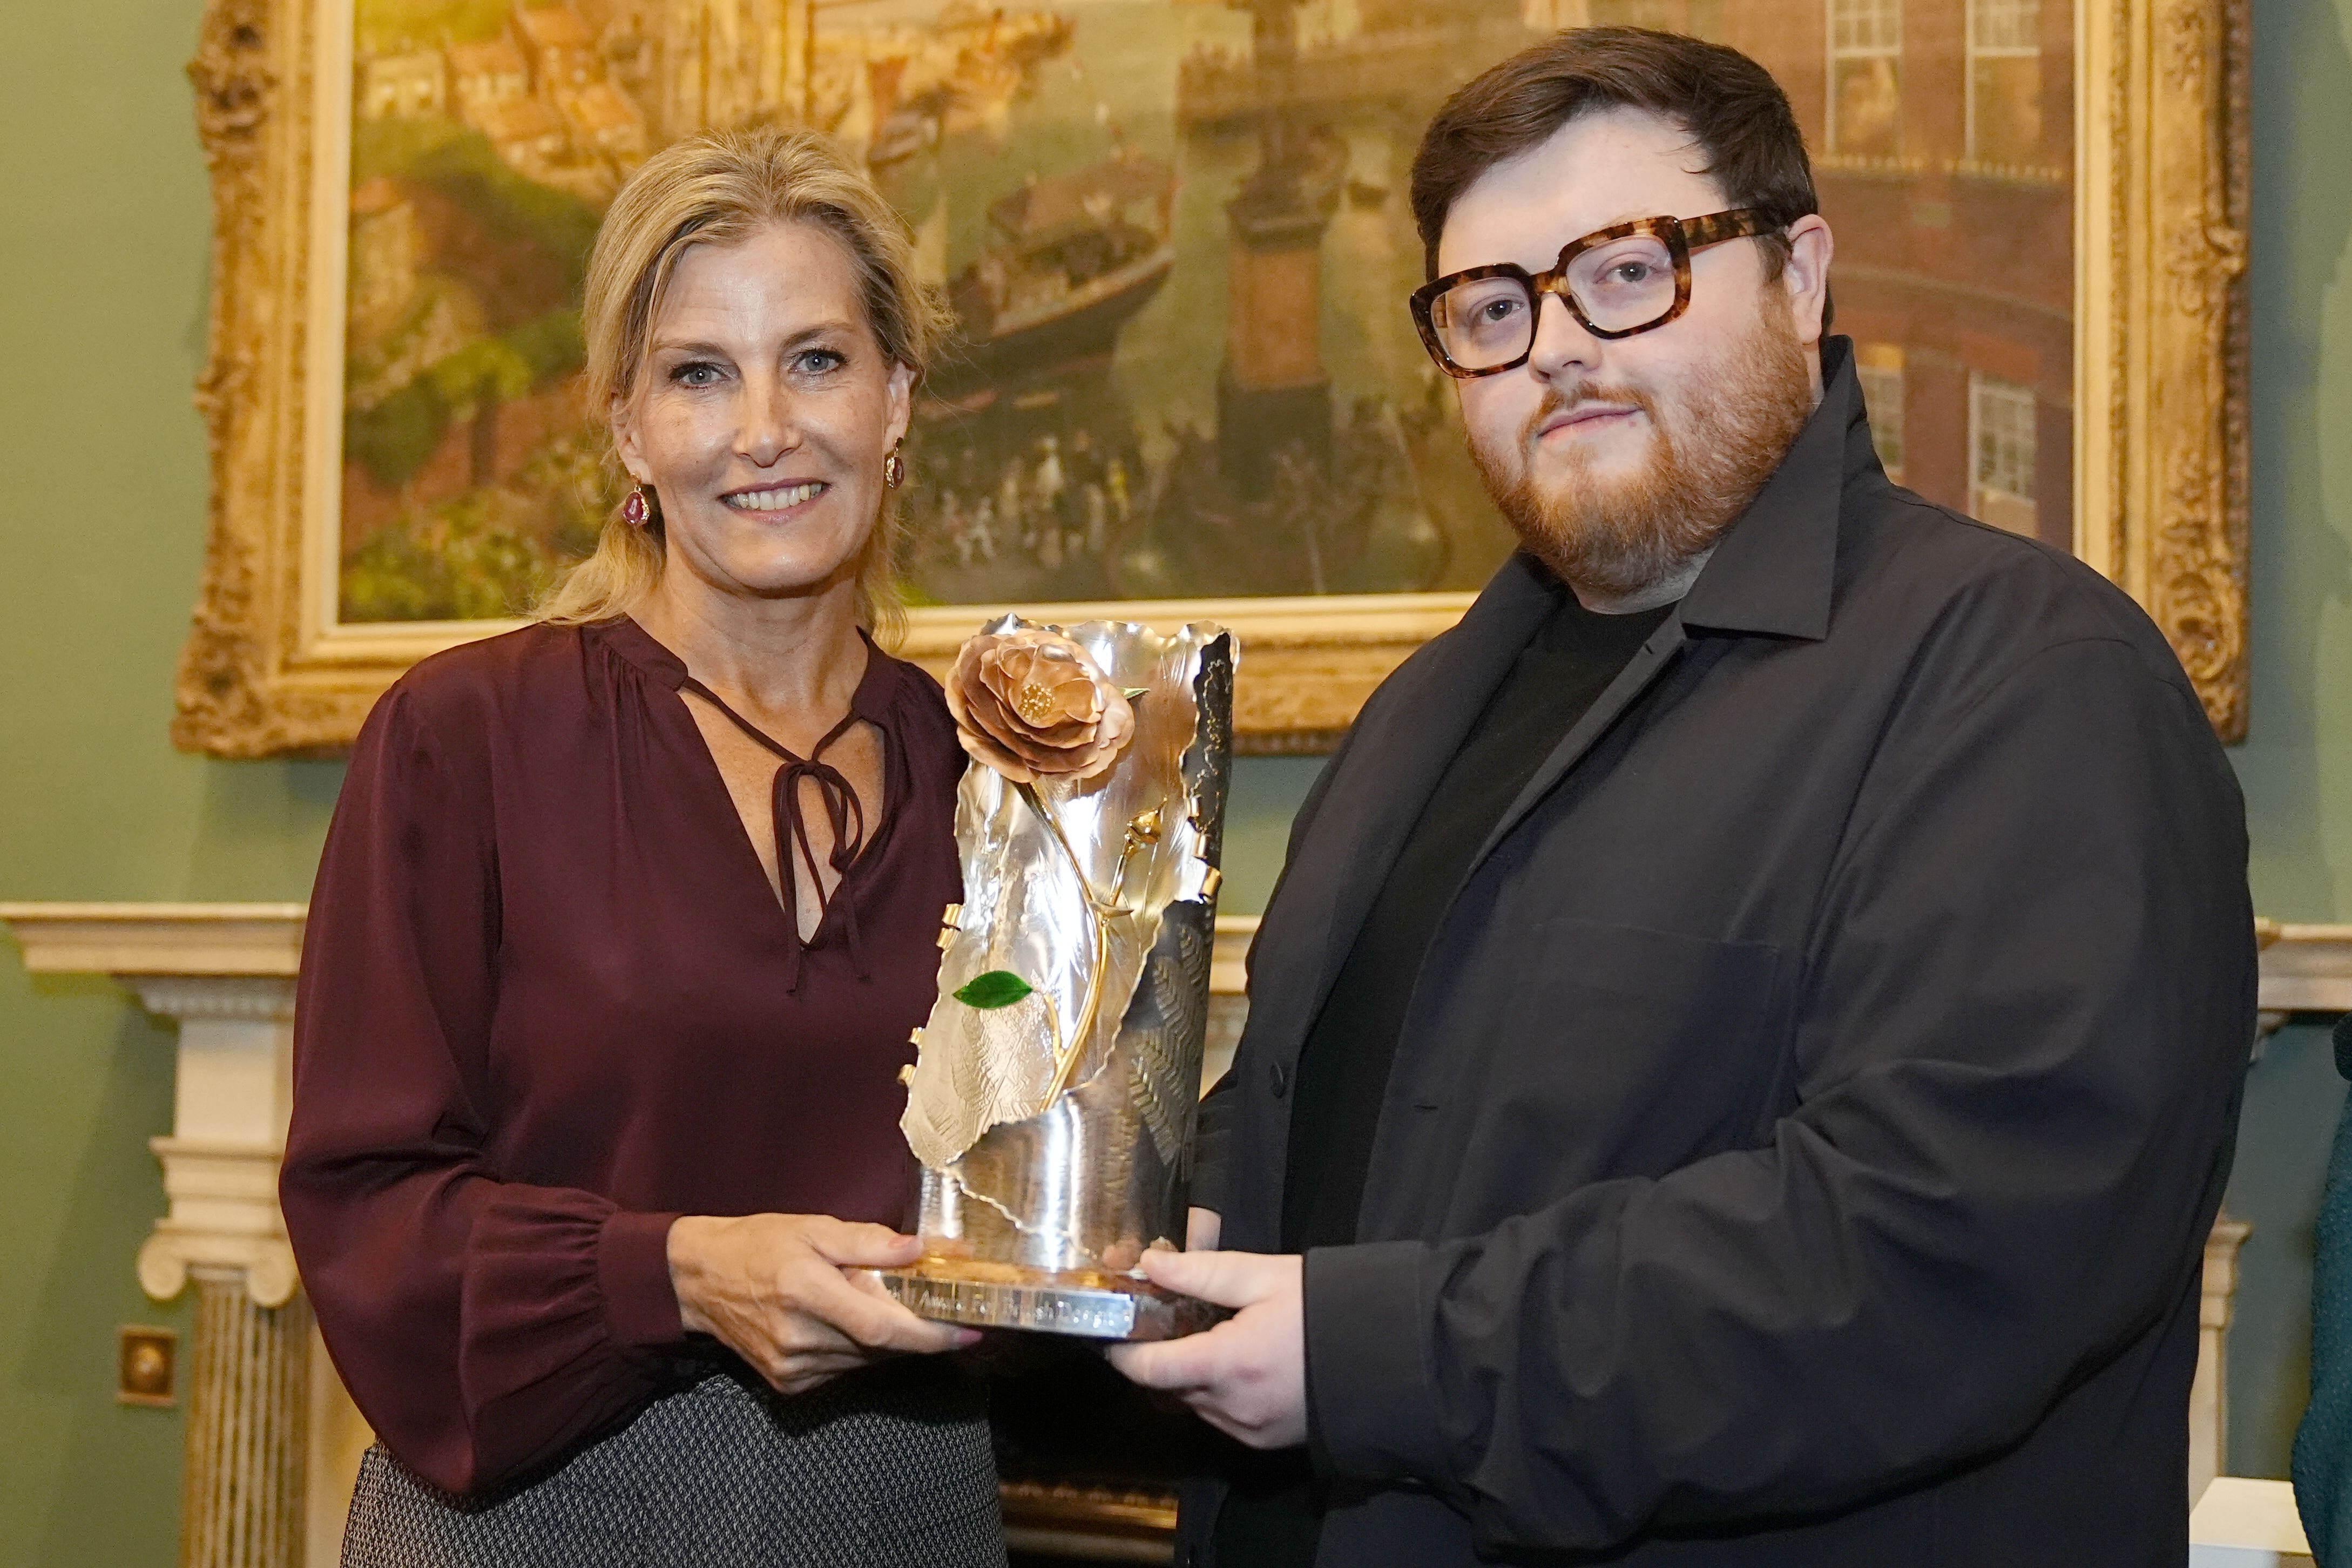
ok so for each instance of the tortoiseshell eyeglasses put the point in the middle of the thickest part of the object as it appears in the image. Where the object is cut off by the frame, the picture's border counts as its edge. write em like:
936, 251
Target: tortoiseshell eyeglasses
1616, 281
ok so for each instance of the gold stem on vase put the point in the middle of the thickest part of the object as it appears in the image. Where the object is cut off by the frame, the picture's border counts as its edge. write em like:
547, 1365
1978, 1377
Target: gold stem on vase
1145, 830
1066, 1060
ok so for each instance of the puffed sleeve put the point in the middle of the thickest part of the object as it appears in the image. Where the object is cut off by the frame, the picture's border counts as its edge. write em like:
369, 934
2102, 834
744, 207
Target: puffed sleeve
485, 1328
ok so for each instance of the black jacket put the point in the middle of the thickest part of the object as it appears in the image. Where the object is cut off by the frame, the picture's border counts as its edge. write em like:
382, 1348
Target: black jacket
1802, 1137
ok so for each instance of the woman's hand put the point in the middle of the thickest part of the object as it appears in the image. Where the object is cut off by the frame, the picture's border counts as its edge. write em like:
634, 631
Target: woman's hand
775, 1289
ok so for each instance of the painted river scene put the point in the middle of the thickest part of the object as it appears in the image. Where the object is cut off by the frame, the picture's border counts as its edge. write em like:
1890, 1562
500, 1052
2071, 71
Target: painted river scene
1175, 236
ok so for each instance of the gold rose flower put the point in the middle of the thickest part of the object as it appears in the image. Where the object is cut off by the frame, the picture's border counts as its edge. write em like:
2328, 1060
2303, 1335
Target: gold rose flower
1030, 704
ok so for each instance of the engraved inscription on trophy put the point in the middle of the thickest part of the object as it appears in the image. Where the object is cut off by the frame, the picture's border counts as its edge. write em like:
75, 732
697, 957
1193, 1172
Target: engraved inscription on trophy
1052, 1102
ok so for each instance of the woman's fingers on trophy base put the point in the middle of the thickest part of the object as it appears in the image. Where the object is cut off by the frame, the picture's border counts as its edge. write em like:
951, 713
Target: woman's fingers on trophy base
920, 1336
862, 1246
877, 1321
958, 1337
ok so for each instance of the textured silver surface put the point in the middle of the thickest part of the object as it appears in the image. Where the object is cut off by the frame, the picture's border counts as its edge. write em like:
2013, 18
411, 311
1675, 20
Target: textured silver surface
1083, 1180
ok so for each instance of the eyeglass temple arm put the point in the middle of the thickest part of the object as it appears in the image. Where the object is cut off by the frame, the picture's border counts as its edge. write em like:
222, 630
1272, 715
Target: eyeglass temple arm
1717, 227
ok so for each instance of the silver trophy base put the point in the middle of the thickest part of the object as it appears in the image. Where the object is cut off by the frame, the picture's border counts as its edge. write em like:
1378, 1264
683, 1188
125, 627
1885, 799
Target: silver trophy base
1090, 1305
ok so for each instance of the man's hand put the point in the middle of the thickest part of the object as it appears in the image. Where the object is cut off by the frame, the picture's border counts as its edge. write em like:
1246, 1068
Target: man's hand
1247, 1376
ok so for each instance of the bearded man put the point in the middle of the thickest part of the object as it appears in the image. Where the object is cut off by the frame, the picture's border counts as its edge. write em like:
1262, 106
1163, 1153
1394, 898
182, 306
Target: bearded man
1745, 1051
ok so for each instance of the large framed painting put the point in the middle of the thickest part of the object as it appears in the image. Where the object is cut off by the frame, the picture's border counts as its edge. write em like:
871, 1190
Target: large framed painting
1177, 239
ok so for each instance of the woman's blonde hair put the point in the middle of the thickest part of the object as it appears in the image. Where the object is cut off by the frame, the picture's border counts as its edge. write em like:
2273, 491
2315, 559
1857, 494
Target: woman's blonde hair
715, 188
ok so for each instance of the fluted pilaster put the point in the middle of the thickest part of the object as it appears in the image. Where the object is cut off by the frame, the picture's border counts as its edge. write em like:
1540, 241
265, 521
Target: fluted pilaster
242, 1495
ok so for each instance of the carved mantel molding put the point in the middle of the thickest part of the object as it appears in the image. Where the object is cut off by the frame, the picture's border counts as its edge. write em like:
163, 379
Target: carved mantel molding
258, 942
225, 973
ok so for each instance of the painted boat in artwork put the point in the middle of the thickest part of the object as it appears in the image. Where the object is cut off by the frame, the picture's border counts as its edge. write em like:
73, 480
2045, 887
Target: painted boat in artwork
1073, 258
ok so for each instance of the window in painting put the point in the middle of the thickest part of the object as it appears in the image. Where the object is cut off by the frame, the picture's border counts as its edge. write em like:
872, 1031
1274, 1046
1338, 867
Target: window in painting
1865, 78
2005, 81
1319, 24
2000, 437
1880, 368
409, 83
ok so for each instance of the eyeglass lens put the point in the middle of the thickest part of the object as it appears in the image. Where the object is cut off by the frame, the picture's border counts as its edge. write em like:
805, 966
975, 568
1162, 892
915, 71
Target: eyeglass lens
1619, 285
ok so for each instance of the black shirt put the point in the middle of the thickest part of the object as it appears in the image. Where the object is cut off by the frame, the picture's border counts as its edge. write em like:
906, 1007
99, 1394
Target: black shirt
1271, 1516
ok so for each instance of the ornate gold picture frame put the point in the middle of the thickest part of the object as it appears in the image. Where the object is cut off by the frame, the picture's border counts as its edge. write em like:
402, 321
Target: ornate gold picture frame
2158, 443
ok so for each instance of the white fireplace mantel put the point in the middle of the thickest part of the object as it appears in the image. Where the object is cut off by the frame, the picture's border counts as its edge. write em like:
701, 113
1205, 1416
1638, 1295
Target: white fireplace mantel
225, 973
267, 1451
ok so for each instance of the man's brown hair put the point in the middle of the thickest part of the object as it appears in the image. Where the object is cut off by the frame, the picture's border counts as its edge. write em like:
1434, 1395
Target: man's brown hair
1733, 110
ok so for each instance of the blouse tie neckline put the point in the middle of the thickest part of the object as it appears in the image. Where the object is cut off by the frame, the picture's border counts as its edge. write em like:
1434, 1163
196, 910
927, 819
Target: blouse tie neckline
845, 814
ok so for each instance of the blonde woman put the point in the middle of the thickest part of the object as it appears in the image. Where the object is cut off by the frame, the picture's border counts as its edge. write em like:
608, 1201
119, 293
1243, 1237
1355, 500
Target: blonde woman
620, 931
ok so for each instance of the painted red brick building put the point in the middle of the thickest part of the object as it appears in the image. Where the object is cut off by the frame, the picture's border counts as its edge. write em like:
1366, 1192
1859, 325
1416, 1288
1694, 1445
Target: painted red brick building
1942, 136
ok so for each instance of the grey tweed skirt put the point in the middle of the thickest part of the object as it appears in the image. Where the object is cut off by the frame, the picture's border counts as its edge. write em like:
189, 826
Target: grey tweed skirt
888, 1469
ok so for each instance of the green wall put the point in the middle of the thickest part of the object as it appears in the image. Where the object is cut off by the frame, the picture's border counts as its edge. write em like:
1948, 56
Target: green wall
102, 280
2294, 767
102, 293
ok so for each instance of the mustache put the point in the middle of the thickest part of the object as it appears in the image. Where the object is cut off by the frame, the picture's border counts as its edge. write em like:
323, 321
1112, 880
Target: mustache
1558, 401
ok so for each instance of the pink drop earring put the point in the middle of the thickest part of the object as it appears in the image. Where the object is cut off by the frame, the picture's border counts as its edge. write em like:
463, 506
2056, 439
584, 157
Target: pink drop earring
637, 510
893, 467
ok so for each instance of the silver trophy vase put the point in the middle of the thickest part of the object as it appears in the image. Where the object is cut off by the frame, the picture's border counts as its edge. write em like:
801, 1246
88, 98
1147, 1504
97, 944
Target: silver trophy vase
1052, 1102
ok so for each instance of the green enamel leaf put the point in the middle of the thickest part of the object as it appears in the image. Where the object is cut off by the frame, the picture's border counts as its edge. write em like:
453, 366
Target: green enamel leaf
997, 988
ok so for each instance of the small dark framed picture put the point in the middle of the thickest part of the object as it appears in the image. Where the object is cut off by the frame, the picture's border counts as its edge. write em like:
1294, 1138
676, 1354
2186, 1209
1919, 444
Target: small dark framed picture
146, 1366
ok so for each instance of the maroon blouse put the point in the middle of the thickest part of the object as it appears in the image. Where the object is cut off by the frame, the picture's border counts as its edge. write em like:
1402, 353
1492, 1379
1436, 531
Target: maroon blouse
548, 1004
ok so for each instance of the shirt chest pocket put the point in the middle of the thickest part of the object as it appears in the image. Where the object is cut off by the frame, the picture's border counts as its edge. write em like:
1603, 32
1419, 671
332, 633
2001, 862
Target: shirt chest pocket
1625, 1052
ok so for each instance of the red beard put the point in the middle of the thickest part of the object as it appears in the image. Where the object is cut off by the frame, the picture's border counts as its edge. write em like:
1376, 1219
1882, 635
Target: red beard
1614, 540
